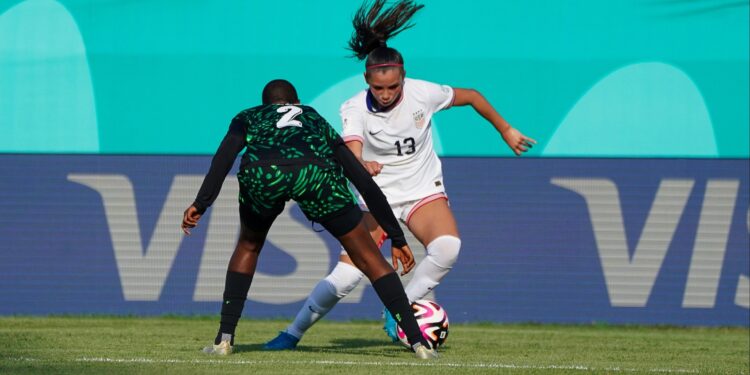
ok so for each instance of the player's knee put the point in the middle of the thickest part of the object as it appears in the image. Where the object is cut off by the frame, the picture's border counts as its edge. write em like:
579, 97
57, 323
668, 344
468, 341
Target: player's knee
444, 250
344, 278
251, 240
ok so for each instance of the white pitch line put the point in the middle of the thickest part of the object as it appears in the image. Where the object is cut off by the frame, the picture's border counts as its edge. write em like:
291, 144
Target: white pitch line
355, 363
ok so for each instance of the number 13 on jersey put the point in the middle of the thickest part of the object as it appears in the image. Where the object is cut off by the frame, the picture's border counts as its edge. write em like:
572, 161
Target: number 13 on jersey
408, 144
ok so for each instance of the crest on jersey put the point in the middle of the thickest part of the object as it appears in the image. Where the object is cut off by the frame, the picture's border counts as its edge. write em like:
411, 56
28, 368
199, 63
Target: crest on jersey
419, 118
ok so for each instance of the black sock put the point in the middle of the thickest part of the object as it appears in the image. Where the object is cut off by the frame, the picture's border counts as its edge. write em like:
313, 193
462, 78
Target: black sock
236, 286
391, 292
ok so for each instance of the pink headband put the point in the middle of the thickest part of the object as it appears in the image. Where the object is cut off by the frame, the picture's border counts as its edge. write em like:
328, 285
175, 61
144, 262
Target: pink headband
375, 66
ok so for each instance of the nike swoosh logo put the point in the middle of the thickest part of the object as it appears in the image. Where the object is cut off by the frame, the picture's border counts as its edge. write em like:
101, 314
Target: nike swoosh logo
373, 133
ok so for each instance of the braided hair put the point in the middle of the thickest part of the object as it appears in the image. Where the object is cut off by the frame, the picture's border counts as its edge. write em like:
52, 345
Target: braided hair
374, 25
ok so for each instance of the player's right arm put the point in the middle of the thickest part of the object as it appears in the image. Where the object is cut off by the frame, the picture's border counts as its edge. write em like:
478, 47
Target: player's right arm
231, 145
353, 133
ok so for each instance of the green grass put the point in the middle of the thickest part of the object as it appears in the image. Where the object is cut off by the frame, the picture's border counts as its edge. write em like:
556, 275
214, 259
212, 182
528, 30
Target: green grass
134, 345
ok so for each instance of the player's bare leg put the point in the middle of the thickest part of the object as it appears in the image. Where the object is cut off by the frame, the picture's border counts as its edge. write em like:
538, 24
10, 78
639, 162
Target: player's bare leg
376, 233
367, 257
435, 227
344, 277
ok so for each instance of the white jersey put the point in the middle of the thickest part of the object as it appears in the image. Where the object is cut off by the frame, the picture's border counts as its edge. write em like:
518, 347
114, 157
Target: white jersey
400, 139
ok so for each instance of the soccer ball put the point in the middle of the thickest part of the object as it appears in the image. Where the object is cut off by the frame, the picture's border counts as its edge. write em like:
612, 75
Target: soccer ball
432, 320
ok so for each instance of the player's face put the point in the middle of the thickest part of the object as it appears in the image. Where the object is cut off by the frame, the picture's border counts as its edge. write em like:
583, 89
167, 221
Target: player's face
385, 85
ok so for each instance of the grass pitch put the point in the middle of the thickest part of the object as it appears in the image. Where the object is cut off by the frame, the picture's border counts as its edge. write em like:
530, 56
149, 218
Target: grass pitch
128, 345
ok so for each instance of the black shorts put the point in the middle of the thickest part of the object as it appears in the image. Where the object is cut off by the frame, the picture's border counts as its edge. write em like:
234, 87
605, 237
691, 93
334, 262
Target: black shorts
322, 193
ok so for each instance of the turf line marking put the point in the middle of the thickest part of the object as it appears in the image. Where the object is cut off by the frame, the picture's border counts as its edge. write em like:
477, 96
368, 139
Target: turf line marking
354, 363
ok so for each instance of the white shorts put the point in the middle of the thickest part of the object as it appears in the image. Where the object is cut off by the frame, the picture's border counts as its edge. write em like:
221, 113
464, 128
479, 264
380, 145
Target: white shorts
404, 210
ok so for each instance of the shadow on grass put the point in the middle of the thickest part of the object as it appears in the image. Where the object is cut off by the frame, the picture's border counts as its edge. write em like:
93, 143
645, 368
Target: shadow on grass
369, 347
240, 348
374, 347
358, 343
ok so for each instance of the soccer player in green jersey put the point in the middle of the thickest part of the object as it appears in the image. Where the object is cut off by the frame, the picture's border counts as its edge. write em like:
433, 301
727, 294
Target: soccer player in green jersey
292, 153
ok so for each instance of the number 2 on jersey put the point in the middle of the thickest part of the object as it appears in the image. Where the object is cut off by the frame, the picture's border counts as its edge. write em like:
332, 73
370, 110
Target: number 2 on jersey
408, 142
288, 118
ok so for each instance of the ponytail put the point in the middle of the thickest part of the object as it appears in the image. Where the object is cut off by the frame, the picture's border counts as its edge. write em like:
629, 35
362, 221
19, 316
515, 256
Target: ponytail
373, 26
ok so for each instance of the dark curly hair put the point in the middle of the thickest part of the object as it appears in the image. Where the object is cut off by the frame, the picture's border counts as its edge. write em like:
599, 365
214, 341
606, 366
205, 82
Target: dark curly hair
279, 91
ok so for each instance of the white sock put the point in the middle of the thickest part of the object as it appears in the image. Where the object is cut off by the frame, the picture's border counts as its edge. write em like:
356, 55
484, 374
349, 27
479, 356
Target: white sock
326, 294
442, 253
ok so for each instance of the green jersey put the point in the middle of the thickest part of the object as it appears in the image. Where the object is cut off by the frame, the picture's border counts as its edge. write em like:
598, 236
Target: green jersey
289, 155
286, 135
292, 153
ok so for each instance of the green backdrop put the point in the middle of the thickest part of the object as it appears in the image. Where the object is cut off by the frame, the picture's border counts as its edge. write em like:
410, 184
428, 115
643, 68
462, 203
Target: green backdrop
615, 78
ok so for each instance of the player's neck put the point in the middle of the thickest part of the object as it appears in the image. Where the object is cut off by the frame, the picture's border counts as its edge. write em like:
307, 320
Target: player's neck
374, 106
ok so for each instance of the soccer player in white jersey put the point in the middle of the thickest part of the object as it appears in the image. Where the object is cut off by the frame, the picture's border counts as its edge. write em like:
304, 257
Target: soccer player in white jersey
388, 128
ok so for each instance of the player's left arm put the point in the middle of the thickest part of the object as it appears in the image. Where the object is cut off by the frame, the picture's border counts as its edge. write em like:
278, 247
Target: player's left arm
517, 142
373, 196
378, 204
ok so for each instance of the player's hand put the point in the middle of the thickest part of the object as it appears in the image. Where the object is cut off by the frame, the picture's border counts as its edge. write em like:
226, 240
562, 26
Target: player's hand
190, 219
517, 142
403, 255
373, 167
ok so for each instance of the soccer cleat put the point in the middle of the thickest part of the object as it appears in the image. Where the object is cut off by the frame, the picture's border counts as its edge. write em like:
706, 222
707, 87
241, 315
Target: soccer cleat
284, 341
390, 326
422, 352
223, 348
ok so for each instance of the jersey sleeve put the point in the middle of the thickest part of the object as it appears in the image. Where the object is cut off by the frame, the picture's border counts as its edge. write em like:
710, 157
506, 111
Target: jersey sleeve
439, 97
231, 145
330, 134
352, 122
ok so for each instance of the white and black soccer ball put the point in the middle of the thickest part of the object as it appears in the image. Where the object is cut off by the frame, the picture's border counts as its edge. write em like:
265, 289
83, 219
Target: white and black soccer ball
432, 320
